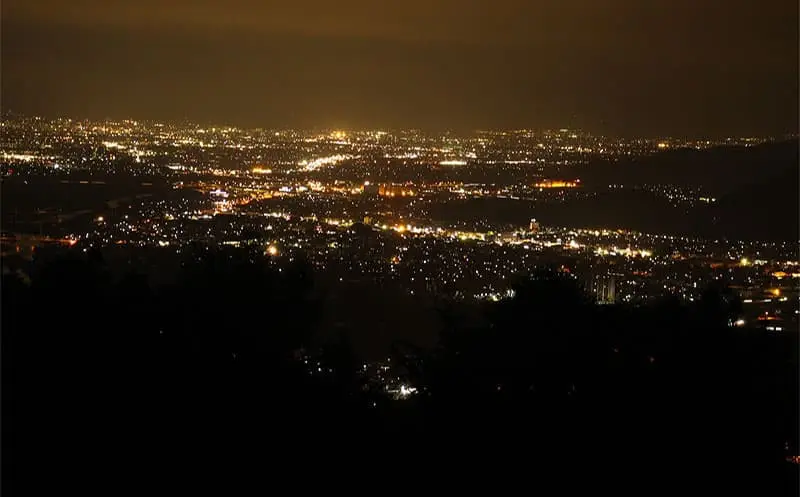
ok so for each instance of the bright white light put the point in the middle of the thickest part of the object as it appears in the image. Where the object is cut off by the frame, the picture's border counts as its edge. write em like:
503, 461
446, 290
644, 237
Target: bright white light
405, 391
315, 164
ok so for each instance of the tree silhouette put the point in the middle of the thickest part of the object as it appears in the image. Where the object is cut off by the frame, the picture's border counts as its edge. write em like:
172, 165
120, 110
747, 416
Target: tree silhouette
206, 369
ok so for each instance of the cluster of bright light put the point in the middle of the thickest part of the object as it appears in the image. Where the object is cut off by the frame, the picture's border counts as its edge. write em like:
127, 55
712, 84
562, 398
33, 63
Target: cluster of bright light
338, 222
496, 296
317, 163
782, 274
408, 228
405, 391
627, 252
558, 184
285, 215
391, 191
20, 157
222, 207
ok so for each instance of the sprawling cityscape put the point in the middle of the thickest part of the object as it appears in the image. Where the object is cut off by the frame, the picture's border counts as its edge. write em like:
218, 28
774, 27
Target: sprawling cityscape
408, 207
518, 245
405, 209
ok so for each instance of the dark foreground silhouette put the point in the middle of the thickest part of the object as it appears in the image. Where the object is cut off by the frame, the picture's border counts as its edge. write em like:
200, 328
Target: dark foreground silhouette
110, 385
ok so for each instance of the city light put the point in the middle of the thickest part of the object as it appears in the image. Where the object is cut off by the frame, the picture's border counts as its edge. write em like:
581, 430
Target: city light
549, 242
289, 193
320, 162
405, 391
557, 184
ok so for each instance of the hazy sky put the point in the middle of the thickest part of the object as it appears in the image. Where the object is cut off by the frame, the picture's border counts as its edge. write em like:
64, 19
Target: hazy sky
634, 67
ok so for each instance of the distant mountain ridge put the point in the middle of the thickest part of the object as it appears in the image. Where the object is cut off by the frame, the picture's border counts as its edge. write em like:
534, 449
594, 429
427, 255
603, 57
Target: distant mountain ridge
718, 170
767, 210
756, 187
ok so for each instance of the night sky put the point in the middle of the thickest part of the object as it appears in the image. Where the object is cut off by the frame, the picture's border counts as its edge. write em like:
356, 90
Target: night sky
625, 67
